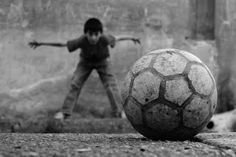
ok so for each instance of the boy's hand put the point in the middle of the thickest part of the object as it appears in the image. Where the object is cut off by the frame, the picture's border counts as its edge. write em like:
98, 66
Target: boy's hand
34, 44
136, 41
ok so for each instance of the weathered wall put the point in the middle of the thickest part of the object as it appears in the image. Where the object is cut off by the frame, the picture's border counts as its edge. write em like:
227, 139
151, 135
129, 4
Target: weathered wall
226, 38
59, 20
158, 23
118, 15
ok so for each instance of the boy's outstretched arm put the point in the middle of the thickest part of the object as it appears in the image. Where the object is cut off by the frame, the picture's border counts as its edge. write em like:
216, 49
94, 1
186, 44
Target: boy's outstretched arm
34, 44
135, 40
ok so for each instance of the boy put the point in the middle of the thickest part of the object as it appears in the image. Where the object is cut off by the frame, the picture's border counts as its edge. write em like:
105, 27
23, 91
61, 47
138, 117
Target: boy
94, 54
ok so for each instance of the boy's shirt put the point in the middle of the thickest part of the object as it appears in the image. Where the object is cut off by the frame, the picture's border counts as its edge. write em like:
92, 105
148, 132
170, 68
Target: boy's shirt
92, 53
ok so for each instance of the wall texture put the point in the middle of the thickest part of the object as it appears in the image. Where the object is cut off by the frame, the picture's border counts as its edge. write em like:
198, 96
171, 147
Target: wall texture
59, 20
225, 30
158, 23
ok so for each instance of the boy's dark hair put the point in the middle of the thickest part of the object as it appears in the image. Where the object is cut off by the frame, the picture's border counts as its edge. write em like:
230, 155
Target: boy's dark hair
93, 25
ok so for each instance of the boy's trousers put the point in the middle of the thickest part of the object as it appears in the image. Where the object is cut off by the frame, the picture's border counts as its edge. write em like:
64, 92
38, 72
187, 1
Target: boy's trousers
81, 74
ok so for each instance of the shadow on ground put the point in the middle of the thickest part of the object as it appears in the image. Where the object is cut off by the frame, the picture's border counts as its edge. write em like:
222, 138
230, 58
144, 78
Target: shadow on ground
76, 124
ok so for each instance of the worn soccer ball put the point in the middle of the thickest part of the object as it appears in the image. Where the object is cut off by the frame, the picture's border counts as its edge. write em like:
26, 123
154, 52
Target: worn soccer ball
169, 94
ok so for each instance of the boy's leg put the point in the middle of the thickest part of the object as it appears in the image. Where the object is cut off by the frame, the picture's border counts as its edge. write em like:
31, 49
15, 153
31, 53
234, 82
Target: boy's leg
80, 76
110, 84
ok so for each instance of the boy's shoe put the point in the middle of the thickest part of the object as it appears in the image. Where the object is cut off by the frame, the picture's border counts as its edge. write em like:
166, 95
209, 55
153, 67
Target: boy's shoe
119, 115
61, 116
123, 115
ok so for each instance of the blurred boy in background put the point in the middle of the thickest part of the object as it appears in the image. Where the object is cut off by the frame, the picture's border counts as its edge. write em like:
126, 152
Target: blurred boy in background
94, 54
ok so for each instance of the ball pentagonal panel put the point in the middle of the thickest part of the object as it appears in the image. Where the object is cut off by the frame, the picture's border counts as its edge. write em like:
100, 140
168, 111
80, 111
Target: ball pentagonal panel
162, 118
146, 87
142, 63
201, 79
133, 112
196, 112
170, 64
177, 91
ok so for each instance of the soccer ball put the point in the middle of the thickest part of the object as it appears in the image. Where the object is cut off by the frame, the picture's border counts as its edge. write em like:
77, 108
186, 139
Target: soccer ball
169, 94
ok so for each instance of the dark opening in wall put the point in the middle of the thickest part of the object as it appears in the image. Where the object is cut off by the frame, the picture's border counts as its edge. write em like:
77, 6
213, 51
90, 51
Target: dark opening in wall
202, 19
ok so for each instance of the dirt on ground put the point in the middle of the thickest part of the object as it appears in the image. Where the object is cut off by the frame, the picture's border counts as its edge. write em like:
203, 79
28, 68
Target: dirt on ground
102, 145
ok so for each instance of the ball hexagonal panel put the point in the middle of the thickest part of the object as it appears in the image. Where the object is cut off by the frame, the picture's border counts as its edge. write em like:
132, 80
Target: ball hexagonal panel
196, 112
162, 118
177, 91
126, 87
146, 87
170, 64
190, 56
201, 79
142, 63
133, 112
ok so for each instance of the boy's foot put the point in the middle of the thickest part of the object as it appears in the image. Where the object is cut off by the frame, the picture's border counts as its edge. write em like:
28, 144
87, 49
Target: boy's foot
61, 116
119, 115
123, 115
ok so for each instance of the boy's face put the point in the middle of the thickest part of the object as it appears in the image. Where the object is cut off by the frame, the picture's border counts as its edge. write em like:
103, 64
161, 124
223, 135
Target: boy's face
93, 37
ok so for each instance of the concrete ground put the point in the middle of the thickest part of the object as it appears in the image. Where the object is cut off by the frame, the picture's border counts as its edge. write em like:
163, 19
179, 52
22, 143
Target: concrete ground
106, 145
102, 137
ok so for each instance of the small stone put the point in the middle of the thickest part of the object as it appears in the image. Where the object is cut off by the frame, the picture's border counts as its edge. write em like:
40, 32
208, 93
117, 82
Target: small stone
83, 149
